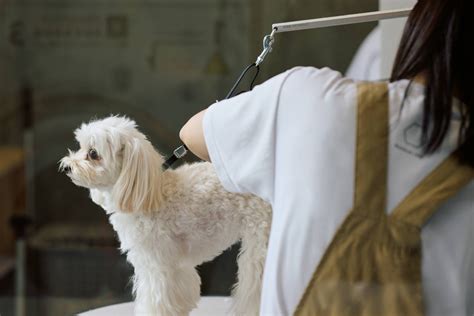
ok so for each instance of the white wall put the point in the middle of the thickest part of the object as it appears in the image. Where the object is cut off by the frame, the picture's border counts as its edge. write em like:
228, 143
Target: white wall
391, 33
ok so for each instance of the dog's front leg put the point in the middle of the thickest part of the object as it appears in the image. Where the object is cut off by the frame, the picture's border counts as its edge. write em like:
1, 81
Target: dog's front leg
166, 291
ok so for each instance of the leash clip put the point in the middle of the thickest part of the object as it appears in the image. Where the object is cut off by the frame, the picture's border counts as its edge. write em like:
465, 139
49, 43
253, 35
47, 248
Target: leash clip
267, 47
180, 152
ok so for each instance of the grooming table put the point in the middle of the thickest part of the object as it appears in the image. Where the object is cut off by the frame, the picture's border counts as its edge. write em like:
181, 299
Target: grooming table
208, 306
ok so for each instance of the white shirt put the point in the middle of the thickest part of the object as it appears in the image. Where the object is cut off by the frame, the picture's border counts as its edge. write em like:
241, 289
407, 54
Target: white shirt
367, 62
291, 141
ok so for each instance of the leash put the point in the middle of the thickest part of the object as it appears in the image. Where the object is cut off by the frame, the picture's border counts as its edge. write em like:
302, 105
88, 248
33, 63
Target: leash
268, 41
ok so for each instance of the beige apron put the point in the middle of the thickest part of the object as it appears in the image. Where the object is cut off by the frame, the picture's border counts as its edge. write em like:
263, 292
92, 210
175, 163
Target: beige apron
373, 265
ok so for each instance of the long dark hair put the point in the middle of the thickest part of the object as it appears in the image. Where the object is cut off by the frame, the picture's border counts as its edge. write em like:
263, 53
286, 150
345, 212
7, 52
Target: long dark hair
437, 43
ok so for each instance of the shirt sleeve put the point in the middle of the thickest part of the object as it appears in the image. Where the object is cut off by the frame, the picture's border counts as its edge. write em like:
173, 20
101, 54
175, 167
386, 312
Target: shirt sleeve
240, 138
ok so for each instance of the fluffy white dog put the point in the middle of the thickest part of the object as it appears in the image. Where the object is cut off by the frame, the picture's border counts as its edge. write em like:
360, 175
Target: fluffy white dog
168, 222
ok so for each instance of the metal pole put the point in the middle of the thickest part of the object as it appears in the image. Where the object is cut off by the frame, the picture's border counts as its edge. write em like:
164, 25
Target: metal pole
340, 20
20, 278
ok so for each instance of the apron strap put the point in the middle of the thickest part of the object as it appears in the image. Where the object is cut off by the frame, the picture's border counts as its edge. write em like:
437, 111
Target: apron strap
372, 150
440, 185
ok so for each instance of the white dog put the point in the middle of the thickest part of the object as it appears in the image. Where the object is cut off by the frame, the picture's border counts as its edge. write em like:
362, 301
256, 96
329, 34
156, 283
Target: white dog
168, 222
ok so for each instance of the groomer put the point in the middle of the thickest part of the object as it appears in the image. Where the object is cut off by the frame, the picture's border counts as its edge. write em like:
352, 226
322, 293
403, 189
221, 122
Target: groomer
371, 184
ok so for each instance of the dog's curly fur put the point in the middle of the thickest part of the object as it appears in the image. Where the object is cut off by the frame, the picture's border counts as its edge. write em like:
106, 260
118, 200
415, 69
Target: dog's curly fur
168, 222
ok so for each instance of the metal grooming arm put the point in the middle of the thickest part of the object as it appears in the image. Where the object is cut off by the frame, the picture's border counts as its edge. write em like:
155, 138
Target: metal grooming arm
326, 22
340, 20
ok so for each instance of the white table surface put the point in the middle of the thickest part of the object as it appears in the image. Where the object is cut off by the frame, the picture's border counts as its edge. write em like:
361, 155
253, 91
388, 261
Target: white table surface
208, 306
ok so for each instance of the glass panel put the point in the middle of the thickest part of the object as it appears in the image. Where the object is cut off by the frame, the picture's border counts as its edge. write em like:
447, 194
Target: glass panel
159, 62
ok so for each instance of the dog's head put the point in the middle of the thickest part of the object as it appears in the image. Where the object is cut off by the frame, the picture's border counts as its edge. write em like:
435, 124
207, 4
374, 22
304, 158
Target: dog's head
115, 156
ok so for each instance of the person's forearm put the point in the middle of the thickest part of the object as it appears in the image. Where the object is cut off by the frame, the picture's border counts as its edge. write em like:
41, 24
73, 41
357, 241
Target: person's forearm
192, 135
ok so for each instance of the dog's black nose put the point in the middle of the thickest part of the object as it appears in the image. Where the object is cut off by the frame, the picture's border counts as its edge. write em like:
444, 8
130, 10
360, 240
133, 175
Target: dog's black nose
67, 169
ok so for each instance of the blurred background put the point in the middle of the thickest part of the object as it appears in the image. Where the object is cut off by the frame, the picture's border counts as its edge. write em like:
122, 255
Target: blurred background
63, 62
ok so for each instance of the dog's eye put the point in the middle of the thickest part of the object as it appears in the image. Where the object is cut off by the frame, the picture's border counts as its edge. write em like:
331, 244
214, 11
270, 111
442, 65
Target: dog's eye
93, 154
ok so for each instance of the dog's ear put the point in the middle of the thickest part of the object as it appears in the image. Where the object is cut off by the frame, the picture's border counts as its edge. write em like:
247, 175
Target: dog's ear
138, 188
